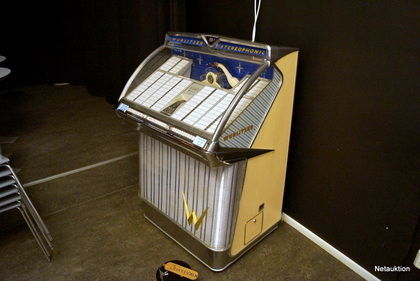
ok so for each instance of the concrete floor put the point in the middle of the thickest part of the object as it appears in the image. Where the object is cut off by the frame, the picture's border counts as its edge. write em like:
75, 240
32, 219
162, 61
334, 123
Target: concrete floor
95, 216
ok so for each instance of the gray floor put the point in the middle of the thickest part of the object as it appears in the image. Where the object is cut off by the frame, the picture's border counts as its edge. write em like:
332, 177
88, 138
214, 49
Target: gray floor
95, 216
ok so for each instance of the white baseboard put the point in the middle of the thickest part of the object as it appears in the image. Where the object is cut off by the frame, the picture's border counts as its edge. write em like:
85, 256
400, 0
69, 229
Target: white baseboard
330, 249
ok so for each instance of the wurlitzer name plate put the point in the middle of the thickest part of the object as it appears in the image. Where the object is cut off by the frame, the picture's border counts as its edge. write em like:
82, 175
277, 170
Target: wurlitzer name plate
214, 117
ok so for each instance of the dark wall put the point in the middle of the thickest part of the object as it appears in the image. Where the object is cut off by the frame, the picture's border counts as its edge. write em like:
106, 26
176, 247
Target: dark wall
23, 41
353, 162
97, 43
43, 42
120, 34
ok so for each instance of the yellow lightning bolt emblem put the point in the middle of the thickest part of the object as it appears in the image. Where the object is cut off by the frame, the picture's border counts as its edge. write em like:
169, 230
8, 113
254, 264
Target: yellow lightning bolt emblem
192, 216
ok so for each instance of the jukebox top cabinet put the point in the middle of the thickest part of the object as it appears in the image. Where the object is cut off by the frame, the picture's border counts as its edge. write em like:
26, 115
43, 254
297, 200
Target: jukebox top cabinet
206, 94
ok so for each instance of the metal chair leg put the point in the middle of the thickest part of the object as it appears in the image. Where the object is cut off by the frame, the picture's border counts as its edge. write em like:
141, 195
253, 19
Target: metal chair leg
32, 217
37, 219
31, 226
31, 207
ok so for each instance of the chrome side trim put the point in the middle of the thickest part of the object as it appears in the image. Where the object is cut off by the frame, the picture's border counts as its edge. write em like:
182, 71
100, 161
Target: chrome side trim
142, 64
214, 260
269, 52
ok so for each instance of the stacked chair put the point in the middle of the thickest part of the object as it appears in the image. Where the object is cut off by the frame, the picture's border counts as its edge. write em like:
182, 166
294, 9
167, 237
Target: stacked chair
13, 196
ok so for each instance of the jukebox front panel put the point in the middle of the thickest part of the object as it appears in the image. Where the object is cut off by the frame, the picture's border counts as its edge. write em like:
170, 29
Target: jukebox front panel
214, 116
202, 200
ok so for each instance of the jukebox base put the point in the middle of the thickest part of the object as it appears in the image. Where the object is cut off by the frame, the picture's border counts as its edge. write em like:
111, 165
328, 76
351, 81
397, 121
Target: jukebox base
214, 259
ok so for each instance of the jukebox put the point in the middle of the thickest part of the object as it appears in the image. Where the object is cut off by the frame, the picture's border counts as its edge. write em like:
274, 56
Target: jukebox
214, 116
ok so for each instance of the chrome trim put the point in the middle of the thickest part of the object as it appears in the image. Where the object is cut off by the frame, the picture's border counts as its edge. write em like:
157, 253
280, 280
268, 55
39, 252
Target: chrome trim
220, 53
210, 159
214, 260
142, 64
235, 154
222, 123
207, 42
269, 52
220, 37
222, 156
167, 119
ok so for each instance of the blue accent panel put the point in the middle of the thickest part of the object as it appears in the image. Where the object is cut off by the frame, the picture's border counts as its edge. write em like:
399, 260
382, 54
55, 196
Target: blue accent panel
243, 49
180, 41
204, 63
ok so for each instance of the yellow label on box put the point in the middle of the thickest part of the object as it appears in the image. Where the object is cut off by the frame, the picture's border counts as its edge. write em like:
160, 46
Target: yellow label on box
181, 270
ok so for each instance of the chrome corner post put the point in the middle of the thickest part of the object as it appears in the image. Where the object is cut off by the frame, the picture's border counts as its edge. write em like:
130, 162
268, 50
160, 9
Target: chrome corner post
225, 117
139, 68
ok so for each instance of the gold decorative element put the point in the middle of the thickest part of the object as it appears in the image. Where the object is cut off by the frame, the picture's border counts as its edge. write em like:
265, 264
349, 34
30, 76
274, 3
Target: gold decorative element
237, 133
192, 217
